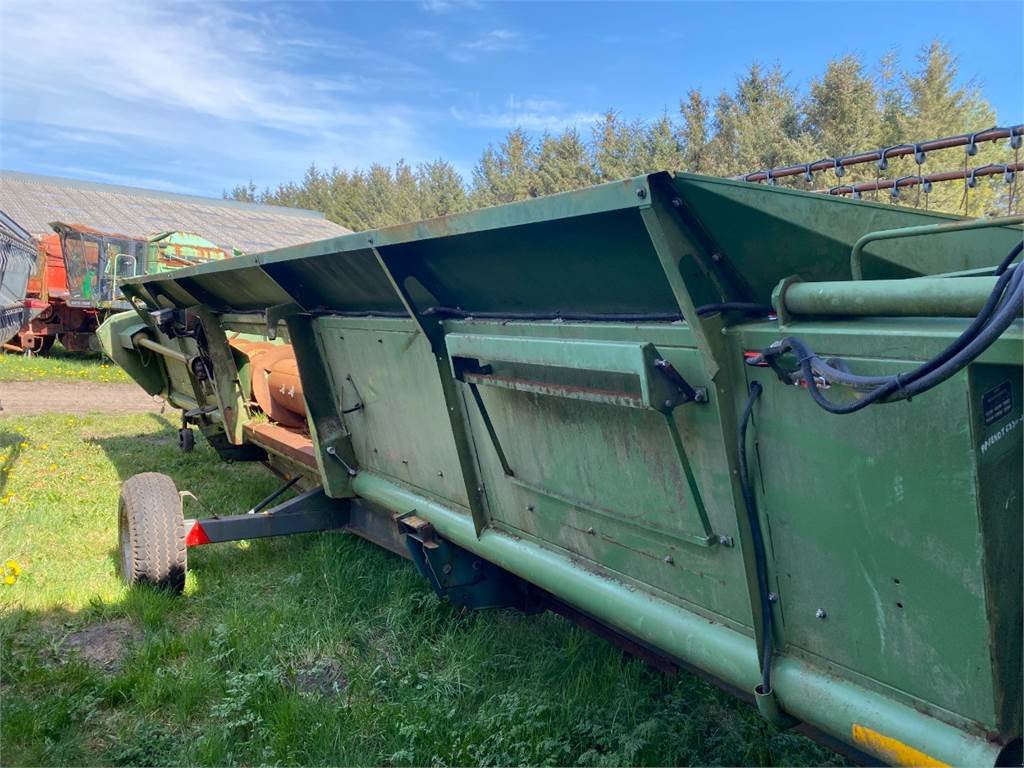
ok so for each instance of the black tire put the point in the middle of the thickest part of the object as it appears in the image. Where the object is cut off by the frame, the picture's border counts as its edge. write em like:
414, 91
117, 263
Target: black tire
46, 346
186, 439
151, 532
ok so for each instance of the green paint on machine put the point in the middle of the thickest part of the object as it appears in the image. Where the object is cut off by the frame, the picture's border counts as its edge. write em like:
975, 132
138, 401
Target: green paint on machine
553, 390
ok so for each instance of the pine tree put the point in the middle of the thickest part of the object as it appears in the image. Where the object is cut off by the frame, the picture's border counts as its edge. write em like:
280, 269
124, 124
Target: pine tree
760, 123
842, 109
662, 150
508, 173
562, 163
695, 112
759, 126
934, 106
440, 190
246, 193
614, 151
405, 198
487, 179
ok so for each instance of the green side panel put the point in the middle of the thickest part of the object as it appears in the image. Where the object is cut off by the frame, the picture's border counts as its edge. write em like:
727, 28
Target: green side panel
767, 234
996, 424
605, 264
872, 518
347, 279
401, 430
605, 483
115, 335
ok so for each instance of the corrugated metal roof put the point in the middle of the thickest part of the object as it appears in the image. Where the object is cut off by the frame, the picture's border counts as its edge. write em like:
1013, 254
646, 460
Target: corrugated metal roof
34, 201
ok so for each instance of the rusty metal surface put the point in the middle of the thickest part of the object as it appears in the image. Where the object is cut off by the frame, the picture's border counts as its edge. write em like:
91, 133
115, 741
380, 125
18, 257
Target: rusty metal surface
900, 150
292, 445
913, 181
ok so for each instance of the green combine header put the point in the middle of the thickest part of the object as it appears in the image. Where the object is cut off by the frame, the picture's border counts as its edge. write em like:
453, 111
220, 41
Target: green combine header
771, 435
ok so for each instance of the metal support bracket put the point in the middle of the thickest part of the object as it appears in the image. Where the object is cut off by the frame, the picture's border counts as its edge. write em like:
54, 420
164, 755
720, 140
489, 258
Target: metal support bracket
307, 512
433, 331
459, 575
277, 313
230, 397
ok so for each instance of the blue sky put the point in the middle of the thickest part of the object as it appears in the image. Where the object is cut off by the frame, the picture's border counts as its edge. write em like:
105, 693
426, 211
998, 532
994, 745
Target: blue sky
198, 97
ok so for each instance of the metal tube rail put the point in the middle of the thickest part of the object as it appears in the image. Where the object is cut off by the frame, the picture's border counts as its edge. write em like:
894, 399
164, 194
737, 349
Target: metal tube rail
141, 340
875, 155
919, 297
913, 181
878, 723
857, 254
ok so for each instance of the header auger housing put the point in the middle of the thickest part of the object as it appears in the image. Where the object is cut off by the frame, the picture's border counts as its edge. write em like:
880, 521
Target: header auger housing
618, 400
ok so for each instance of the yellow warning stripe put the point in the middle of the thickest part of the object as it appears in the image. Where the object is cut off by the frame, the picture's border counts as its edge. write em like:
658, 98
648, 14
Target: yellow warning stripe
893, 751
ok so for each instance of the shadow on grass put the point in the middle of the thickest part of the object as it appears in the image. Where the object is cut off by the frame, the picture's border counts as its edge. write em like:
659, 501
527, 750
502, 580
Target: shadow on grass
141, 452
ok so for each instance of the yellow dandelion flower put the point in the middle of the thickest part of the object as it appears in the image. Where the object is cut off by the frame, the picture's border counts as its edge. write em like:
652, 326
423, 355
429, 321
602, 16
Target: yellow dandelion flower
8, 580
13, 567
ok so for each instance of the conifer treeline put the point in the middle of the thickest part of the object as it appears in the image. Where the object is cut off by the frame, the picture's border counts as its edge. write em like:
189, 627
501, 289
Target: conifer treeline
764, 122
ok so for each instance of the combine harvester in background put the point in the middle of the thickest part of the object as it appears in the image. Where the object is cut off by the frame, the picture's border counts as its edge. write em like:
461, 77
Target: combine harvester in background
771, 435
17, 261
78, 275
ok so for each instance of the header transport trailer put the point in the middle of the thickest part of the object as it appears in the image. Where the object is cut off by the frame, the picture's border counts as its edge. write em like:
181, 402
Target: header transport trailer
771, 435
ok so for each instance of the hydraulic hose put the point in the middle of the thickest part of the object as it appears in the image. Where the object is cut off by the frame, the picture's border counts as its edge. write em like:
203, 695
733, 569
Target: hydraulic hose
998, 312
1013, 254
757, 539
846, 378
747, 308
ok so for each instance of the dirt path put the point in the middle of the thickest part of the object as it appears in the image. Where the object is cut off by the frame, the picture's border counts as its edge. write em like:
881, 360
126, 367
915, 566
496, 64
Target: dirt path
27, 398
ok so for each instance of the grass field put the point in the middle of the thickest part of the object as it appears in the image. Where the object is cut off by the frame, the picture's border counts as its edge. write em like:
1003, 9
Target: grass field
59, 366
315, 649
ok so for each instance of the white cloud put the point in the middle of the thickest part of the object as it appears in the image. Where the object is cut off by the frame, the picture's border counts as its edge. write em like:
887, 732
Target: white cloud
532, 113
447, 6
192, 90
489, 42
467, 48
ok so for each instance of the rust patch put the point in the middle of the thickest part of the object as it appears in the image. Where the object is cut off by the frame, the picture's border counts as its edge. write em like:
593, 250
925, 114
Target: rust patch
285, 442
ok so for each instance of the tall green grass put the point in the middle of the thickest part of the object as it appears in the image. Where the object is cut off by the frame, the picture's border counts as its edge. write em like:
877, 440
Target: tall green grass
60, 365
316, 649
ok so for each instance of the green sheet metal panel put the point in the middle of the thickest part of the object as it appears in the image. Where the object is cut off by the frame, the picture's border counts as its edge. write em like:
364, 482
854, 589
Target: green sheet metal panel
604, 483
884, 513
996, 399
401, 430
501, 258
767, 234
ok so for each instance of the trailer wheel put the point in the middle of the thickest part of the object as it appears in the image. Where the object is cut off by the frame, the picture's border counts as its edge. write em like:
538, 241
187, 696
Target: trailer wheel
151, 532
186, 439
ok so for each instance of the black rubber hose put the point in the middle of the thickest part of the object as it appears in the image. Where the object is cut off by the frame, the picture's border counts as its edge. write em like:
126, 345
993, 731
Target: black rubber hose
595, 317
1013, 254
757, 539
1001, 320
975, 340
846, 378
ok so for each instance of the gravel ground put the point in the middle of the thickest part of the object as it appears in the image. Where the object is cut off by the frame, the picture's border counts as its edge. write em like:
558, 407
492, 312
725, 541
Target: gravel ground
26, 398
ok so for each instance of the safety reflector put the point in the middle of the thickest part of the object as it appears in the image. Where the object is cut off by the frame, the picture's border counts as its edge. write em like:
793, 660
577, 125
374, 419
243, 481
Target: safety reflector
196, 536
